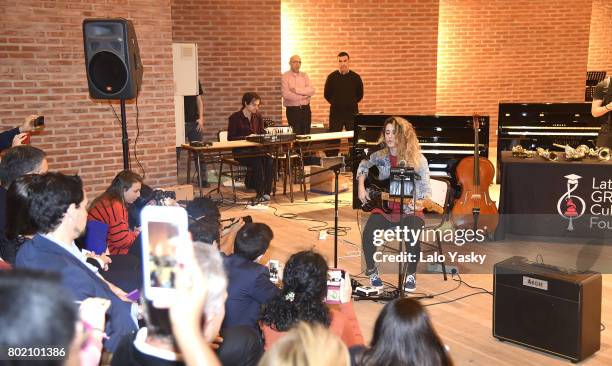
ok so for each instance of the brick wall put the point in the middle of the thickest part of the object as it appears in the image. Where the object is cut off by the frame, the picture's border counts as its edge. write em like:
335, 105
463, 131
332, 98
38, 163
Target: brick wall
510, 51
238, 51
392, 45
414, 57
600, 43
42, 71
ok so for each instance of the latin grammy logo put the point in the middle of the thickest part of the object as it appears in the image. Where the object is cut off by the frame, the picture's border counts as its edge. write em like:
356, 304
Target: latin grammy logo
569, 206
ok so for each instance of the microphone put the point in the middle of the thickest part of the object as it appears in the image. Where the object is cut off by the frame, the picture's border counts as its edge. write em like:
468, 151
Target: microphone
402, 163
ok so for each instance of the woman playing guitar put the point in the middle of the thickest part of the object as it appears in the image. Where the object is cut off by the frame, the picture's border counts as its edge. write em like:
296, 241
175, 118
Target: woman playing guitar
401, 148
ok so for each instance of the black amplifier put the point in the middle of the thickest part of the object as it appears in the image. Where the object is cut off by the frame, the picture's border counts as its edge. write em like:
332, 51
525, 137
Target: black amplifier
551, 309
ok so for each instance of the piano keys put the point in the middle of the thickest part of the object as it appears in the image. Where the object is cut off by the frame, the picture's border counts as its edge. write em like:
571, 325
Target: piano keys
444, 140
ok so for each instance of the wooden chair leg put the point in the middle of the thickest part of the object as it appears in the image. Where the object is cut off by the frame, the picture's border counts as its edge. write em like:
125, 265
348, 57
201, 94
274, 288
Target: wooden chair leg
219, 176
188, 167
233, 184
285, 177
274, 174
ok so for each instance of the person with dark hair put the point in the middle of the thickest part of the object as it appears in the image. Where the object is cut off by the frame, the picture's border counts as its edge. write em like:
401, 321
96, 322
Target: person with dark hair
403, 335
18, 135
37, 312
206, 231
248, 121
15, 162
302, 298
203, 207
41, 312
111, 208
21, 160
204, 219
58, 210
19, 225
249, 282
343, 91
601, 106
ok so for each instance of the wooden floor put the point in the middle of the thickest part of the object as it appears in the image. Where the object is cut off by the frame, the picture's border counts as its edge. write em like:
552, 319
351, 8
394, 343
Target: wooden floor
464, 325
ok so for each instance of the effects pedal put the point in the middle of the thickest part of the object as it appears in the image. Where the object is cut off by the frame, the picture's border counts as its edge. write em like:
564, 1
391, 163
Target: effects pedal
367, 291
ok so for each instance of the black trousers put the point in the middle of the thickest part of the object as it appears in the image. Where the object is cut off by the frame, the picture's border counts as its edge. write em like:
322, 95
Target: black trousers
379, 222
261, 168
336, 123
300, 119
604, 139
192, 134
242, 346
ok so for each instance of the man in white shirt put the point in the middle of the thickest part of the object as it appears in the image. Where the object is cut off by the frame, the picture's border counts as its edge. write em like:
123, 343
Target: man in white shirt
297, 90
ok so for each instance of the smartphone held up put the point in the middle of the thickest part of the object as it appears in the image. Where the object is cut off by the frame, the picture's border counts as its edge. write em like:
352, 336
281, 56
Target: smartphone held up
164, 237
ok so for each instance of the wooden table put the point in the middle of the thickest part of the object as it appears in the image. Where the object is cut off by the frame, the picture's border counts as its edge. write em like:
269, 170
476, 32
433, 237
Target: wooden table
218, 150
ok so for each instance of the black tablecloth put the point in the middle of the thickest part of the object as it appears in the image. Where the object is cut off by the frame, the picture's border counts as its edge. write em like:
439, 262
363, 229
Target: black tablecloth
534, 197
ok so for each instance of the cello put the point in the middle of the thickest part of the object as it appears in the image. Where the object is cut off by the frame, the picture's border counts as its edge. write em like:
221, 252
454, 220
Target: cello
474, 209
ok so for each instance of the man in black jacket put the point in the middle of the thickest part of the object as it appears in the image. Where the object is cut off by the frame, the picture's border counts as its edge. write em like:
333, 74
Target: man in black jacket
343, 91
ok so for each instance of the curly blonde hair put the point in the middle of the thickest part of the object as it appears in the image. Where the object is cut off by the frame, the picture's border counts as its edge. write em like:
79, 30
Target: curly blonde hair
406, 141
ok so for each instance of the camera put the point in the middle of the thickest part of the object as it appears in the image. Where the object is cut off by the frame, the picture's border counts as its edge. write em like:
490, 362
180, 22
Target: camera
39, 122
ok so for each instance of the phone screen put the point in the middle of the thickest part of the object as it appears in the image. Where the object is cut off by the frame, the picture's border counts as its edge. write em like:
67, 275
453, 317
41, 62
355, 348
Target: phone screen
162, 254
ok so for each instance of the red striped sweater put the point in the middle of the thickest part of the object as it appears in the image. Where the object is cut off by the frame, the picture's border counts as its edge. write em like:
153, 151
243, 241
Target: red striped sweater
115, 215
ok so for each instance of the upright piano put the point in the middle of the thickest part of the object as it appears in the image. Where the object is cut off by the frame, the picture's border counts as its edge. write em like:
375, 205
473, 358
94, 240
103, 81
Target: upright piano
444, 141
534, 125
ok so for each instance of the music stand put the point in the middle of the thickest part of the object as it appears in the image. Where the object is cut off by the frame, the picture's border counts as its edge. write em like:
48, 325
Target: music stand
399, 177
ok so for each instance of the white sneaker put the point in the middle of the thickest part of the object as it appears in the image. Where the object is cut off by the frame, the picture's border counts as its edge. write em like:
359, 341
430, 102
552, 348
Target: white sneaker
410, 284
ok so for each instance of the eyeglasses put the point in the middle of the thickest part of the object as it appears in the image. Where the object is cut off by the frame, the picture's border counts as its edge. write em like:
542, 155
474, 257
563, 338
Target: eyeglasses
295, 62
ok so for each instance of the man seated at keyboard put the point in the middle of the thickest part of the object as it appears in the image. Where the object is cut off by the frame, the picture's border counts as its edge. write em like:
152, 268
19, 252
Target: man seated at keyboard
247, 121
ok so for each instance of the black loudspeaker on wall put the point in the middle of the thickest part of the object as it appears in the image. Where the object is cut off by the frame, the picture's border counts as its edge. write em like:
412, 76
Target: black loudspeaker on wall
547, 308
112, 58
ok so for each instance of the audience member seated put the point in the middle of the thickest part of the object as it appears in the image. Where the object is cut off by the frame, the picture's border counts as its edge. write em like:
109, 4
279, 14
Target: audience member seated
40, 312
17, 135
403, 335
303, 299
249, 282
111, 209
205, 231
155, 344
204, 215
58, 210
15, 162
19, 225
203, 208
307, 345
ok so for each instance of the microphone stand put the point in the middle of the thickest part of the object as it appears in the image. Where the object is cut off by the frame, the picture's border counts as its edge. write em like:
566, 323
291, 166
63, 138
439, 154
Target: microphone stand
336, 169
402, 174
124, 137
